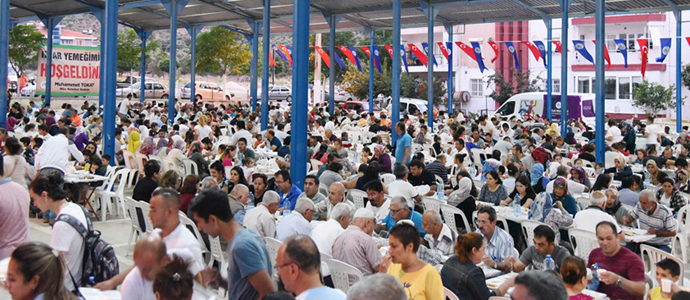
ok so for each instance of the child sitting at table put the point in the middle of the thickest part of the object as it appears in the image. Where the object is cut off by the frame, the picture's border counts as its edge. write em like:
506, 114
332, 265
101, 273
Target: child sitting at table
666, 269
248, 169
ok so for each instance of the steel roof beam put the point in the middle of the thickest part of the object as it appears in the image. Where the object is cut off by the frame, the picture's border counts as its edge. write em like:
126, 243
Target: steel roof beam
241, 14
533, 9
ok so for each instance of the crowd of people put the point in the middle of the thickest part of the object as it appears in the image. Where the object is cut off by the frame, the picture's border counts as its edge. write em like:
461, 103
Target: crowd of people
476, 165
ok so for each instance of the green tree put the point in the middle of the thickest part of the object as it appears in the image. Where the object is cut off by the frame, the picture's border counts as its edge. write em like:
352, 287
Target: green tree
521, 82
25, 43
218, 50
654, 97
129, 50
686, 75
357, 83
164, 65
439, 90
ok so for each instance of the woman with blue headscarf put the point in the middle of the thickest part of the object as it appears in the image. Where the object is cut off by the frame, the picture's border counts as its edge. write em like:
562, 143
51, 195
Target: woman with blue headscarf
538, 180
543, 210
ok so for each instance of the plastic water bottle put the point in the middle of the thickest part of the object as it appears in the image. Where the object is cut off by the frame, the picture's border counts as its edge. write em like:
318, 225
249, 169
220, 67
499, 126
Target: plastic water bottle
250, 201
647, 177
440, 190
594, 285
549, 264
517, 210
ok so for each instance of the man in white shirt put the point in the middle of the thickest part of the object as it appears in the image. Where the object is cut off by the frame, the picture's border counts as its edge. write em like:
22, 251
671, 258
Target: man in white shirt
400, 187
652, 131
241, 133
377, 203
280, 132
573, 187
297, 222
488, 127
325, 234
588, 218
54, 153
150, 255
260, 219
124, 107
613, 134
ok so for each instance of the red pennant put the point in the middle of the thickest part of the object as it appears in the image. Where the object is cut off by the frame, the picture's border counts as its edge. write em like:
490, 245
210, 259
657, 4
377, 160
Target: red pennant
348, 53
534, 49
495, 47
366, 50
270, 58
390, 50
688, 39
558, 46
287, 52
443, 49
418, 53
324, 55
606, 56
644, 51
468, 50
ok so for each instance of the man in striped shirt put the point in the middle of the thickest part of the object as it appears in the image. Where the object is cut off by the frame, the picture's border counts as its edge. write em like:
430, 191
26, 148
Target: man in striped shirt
499, 244
656, 219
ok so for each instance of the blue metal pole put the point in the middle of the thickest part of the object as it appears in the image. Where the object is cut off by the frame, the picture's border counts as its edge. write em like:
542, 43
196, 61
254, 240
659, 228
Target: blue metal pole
253, 78
49, 59
600, 30
101, 82
110, 78
265, 63
679, 83
300, 91
142, 90
549, 68
331, 71
172, 71
192, 66
371, 71
4, 49
397, 57
450, 71
565, 4
430, 70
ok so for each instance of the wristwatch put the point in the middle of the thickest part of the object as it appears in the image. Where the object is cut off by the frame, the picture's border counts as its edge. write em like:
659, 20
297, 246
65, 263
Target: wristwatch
618, 282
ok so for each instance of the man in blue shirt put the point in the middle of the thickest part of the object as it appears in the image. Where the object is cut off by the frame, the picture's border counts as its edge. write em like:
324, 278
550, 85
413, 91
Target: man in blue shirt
284, 151
287, 191
400, 211
249, 264
272, 140
299, 262
403, 145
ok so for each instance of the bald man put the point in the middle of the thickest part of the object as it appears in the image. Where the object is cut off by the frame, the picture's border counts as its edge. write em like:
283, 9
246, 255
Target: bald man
238, 202
336, 194
440, 237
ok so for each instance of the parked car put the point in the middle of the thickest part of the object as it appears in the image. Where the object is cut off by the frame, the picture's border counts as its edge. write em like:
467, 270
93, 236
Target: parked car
342, 96
205, 90
152, 90
412, 106
361, 106
279, 93
129, 80
28, 91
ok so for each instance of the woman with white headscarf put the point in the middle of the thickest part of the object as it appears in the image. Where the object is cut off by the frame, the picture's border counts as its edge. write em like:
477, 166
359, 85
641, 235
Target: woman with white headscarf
464, 197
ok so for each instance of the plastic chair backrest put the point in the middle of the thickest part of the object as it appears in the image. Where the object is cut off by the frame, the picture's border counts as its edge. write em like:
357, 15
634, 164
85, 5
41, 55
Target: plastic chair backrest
449, 213
145, 208
528, 227
431, 203
190, 167
449, 294
132, 209
130, 160
192, 227
386, 179
682, 218
583, 242
316, 164
122, 174
357, 197
655, 255
272, 246
341, 272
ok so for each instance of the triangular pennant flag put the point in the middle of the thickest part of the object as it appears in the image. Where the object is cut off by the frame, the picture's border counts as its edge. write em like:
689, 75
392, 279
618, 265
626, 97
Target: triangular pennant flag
366, 50
688, 39
270, 58
606, 54
623, 48
495, 47
443, 49
511, 48
353, 52
389, 49
533, 48
542, 50
348, 54
289, 50
286, 52
665, 48
558, 46
478, 56
418, 53
426, 50
280, 53
449, 48
403, 56
337, 58
377, 59
644, 51
580, 47
467, 49
324, 56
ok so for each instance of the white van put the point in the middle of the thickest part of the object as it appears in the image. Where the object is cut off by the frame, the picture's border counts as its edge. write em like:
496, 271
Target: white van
412, 106
526, 105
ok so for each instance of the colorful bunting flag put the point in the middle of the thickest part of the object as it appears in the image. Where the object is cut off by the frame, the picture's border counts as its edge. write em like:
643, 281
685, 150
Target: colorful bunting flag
324, 56
426, 51
418, 53
607, 57
478, 56
270, 58
580, 47
495, 47
445, 52
665, 48
389, 49
337, 58
280, 53
403, 56
467, 49
558, 46
688, 39
644, 50
366, 50
623, 48
449, 48
511, 48
286, 52
353, 52
542, 50
533, 48
377, 59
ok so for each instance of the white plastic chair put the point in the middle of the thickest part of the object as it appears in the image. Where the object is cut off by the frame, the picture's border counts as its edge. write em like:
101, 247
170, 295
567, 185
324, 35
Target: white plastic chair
272, 246
192, 227
499, 219
316, 164
190, 167
387, 178
168, 164
131, 164
145, 208
448, 294
141, 160
583, 242
136, 231
449, 213
218, 255
432, 204
341, 272
107, 195
683, 234
528, 227
357, 197
656, 255
583, 202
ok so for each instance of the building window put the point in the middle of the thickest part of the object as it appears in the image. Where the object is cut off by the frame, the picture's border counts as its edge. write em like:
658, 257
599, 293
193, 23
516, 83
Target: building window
79, 43
610, 43
610, 88
556, 85
624, 88
583, 84
477, 89
636, 80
